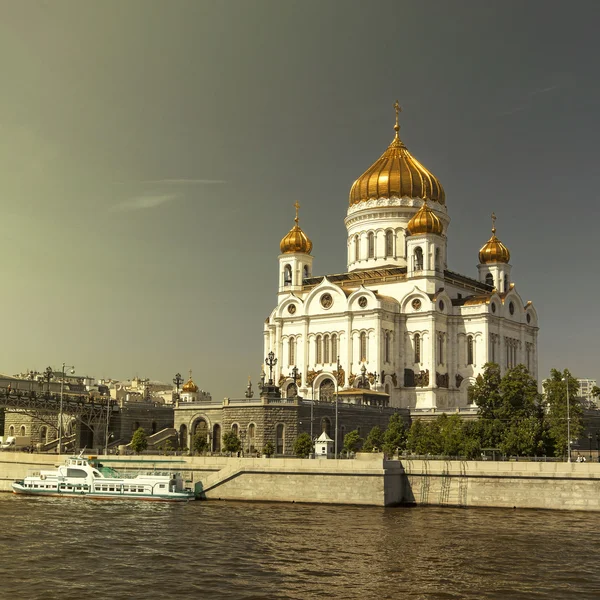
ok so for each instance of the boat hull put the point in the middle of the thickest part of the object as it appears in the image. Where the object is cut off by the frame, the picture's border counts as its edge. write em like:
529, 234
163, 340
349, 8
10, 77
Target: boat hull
173, 497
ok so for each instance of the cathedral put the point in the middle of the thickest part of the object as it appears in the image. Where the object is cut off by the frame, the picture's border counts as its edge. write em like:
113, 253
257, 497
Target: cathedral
398, 321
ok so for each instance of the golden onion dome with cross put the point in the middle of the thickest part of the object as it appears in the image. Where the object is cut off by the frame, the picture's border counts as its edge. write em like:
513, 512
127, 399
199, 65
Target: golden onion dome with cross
425, 221
190, 386
397, 174
494, 251
296, 241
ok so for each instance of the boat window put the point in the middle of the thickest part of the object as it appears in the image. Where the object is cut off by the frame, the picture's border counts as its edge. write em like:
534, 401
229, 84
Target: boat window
96, 473
162, 485
76, 473
140, 489
111, 488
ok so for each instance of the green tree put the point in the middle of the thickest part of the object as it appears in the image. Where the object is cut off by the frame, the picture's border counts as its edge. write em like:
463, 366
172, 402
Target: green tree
139, 441
303, 446
452, 435
231, 442
374, 440
394, 438
168, 446
268, 449
200, 443
425, 438
555, 391
352, 441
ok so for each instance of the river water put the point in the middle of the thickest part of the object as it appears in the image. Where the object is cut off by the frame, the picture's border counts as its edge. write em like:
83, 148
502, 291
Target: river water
79, 548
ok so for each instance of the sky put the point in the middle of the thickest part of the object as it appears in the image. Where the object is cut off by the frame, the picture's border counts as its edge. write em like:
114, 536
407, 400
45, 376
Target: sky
151, 153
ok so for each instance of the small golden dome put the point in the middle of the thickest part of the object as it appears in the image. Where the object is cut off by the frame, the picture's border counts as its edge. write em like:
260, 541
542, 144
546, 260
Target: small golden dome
190, 386
397, 174
296, 241
494, 251
425, 221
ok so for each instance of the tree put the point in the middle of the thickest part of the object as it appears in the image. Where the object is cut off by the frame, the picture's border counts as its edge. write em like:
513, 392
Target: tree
139, 441
352, 441
394, 438
168, 447
374, 441
200, 443
555, 390
231, 442
268, 449
303, 446
425, 438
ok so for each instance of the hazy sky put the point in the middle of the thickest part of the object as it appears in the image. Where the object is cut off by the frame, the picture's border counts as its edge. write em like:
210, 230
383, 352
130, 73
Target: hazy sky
151, 151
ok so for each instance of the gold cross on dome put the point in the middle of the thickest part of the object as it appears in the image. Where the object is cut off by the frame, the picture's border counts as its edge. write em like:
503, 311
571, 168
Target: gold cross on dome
297, 206
398, 109
493, 222
190, 374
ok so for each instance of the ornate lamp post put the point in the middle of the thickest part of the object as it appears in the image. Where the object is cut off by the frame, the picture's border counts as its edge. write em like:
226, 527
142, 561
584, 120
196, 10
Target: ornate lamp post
178, 380
32, 376
60, 412
568, 421
48, 373
271, 361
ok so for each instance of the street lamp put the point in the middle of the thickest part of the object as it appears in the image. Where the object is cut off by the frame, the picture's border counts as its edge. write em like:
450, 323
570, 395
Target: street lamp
294, 375
338, 370
590, 441
566, 379
60, 412
48, 373
271, 361
178, 380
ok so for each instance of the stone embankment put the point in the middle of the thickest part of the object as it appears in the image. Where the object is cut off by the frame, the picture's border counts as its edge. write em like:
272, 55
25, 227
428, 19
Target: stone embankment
369, 480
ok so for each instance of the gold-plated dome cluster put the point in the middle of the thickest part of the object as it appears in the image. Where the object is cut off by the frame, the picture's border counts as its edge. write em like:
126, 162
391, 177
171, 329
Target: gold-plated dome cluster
494, 251
425, 221
190, 386
296, 241
397, 174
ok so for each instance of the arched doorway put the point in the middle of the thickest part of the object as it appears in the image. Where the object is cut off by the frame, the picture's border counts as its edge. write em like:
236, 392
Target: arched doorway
183, 441
43, 434
251, 437
153, 427
217, 438
291, 391
327, 390
199, 429
326, 426
280, 440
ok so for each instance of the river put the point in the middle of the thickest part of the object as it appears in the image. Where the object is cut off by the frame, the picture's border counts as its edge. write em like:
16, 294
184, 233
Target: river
70, 549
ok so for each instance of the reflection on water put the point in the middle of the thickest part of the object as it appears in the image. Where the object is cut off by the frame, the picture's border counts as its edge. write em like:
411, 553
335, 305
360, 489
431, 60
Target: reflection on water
80, 548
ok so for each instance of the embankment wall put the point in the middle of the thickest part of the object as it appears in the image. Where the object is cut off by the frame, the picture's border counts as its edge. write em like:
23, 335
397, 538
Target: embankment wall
369, 480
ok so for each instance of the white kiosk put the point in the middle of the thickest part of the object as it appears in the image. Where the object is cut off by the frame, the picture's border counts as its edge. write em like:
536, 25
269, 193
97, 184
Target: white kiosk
324, 446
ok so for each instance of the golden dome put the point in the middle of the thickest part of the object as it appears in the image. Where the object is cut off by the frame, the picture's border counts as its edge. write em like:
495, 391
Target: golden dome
397, 174
494, 251
296, 241
190, 386
425, 221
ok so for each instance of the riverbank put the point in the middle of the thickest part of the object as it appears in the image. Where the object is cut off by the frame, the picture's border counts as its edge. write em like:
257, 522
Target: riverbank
368, 479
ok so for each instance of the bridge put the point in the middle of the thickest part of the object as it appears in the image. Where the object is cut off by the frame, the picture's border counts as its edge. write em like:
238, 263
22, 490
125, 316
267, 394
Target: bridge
89, 411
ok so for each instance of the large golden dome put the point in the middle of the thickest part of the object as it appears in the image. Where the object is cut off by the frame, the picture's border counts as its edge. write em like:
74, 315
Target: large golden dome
494, 251
296, 241
397, 174
425, 221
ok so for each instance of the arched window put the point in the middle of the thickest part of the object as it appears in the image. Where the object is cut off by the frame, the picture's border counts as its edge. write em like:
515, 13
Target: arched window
306, 272
327, 390
418, 258
389, 243
217, 438
154, 426
22, 430
440, 348
43, 434
334, 347
363, 347
291, 391
234, 429
356, 248
326, 356
326, 426
319, 350
387, 347
292, 351
489, 279
287, 275
505, 283
371, 244
279, 437
417, 348
183, 437
251, 437
470, 350
11, 431
438, 266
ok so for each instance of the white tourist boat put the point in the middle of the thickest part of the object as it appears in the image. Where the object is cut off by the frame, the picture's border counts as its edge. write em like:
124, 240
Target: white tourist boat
85, 477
